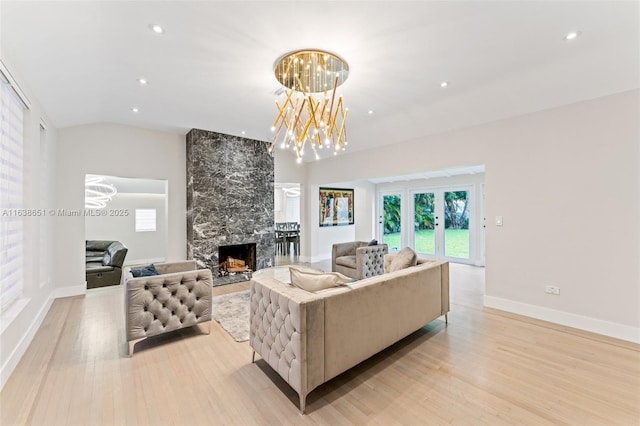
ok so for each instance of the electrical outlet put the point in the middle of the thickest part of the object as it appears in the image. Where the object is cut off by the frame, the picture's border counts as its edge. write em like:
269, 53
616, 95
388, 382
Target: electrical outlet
552, 290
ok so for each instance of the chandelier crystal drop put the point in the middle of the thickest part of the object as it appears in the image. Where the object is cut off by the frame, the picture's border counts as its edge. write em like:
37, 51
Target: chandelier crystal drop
310, 112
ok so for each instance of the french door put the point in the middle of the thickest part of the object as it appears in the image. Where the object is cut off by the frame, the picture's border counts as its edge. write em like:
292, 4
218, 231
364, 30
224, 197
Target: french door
437, 223
390, 220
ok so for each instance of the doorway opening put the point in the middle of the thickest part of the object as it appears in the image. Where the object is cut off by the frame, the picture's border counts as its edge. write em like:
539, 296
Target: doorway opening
287, 223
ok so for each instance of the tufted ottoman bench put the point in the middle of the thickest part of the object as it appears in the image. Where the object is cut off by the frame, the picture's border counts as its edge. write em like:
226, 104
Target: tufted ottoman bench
177, 298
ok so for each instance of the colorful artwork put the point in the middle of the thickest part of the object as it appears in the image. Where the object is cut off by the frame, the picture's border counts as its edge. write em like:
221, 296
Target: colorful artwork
336, 206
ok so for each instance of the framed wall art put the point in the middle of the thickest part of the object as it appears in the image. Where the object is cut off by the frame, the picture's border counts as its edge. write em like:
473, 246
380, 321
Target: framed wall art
336, 206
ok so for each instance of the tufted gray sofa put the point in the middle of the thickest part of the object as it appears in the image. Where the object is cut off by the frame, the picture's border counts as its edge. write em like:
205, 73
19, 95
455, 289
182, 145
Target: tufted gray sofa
177, 298
358, 260
310, 338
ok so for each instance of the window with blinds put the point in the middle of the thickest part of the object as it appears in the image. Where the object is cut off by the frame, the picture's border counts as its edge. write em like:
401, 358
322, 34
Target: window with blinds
145, 220
11, 203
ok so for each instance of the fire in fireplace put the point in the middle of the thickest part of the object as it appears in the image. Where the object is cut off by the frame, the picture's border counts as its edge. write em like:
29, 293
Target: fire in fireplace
238, 258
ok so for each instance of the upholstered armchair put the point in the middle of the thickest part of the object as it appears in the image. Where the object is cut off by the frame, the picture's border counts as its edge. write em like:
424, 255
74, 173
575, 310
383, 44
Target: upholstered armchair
358, 260
180, 296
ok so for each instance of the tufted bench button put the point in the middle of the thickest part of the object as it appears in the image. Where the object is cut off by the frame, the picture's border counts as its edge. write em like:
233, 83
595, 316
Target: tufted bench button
164, 285
173, 312
145, 309
173, 293
146, 287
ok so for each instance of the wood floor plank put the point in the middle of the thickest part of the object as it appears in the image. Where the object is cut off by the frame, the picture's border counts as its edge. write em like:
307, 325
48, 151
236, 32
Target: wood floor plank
486, 367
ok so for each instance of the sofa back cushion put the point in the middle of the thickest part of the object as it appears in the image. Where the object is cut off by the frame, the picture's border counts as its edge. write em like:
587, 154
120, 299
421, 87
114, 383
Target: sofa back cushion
99, 246
377, 312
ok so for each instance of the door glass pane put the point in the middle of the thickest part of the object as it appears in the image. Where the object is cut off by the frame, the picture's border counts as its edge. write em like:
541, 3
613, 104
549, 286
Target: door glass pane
391, 217
423, 220
456, 224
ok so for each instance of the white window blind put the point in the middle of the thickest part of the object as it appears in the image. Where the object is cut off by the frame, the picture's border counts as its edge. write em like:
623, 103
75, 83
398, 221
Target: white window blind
145, 220
11, 184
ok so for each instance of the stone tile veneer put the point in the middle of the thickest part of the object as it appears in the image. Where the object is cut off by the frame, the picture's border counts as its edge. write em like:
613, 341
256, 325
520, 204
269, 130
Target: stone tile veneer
229, 197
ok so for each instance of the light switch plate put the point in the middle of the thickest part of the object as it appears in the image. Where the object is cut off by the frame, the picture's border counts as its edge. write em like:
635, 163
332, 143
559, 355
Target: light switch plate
498, 220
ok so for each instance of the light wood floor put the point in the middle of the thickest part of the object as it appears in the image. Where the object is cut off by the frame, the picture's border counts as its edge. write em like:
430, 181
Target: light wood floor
483, 368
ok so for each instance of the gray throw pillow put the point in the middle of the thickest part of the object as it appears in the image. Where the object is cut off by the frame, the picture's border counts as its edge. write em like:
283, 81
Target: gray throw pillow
403, 259
373, 243
146, 271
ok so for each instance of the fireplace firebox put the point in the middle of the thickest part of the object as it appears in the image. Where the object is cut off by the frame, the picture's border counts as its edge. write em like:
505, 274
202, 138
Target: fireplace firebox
236, 262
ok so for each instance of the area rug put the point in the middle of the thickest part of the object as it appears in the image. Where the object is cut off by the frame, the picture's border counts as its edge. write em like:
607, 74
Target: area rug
232, 313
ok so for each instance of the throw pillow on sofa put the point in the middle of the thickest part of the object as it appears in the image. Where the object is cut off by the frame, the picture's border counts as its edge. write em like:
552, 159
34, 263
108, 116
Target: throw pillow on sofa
145, 271
316, 281
403, 259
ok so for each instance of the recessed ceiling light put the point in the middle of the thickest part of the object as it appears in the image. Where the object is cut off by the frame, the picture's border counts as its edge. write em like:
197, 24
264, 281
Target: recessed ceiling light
143, 81
370, 112
156, 28
134, 109
572, 35
444, 84
243, 132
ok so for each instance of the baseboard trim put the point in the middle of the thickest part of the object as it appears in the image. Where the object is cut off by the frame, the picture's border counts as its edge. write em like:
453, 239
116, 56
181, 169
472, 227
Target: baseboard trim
21, 348
19, 351
69, 291
593, 325
320, 258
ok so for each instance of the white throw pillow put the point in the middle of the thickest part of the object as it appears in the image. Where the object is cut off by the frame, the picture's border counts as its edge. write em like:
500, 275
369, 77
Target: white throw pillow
316, 281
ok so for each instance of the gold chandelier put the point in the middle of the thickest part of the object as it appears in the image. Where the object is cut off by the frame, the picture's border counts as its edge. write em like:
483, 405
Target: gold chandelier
311, 113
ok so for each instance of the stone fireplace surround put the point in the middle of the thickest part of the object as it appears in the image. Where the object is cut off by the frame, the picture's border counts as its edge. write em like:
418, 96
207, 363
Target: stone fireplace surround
229, 197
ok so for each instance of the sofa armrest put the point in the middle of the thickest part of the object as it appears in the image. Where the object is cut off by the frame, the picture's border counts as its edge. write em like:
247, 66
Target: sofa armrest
344, 249
287, 331
115, 255
370, 260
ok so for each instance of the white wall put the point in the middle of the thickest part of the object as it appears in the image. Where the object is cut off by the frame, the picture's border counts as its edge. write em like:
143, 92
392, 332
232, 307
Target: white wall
322, 238
143, 247
116, 150
20, 322
581, 160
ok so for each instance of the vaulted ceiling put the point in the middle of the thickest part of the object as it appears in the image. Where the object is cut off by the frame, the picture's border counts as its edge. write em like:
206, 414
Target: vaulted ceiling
213, 66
